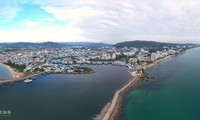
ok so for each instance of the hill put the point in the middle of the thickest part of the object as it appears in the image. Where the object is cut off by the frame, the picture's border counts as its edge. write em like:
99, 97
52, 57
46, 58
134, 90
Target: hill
52, 44
147, 44
29, 44
86, 44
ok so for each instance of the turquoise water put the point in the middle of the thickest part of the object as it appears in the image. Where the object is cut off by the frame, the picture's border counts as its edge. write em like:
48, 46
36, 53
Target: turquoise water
174, 95
4, 73
62, 97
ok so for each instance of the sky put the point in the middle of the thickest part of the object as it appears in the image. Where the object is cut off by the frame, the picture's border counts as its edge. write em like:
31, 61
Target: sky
108, 21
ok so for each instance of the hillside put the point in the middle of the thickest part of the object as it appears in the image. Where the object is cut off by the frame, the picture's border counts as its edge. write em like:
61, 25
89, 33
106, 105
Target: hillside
29, 44
52, 44
147, 44
86, 44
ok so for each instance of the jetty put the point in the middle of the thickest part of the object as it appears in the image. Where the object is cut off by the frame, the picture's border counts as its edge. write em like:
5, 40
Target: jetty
112, 109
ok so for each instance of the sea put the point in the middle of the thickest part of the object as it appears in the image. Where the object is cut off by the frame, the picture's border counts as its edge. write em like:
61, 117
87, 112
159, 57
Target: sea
4, 73
61, 96
173, 94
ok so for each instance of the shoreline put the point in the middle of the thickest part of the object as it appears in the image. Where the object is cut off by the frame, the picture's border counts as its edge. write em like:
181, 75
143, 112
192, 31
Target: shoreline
16, 76
156, 62
13, 73
113, 108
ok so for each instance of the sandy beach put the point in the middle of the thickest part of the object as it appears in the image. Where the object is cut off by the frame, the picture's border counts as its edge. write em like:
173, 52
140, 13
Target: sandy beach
16, 76
13, 73
112, 110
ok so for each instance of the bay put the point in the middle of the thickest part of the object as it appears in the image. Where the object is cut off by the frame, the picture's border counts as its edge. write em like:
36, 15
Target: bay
63, 96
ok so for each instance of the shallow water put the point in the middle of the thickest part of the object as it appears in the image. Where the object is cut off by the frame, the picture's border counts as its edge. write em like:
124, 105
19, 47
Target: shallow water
4, 73
174, 95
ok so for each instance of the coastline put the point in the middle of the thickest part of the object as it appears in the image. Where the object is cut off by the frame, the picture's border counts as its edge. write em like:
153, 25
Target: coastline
112, 110
156, 62
13, 73
16, 76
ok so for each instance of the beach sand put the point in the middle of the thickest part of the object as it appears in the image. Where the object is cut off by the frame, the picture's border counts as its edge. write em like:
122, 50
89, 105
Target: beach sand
13, 73
16, 76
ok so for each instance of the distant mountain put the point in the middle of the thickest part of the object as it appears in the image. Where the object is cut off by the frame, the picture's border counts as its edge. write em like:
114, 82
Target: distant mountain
86, 44
137, 44
147, 44
77, 43
52, 44
29, 44
99, 45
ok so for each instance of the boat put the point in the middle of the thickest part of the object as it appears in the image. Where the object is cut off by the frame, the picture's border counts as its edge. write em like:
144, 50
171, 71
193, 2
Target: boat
11, 83
28, 80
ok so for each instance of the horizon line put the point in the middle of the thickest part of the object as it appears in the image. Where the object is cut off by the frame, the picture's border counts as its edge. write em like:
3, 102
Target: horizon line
100, 42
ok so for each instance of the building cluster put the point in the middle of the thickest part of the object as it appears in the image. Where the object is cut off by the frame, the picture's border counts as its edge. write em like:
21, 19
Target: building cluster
63, 59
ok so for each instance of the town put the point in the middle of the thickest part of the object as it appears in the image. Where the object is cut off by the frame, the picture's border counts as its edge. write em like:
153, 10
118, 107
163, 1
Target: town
70, 59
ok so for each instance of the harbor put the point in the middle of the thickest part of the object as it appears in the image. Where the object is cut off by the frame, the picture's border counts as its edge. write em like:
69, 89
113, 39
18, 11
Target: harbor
82, 94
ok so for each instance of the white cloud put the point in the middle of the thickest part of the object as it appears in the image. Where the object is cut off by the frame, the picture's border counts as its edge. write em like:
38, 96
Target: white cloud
67, 13
118, 20
112, 21
30, 23
64, 33
46, 19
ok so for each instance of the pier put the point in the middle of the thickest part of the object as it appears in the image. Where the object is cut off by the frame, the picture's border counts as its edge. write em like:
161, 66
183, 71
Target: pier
112, 109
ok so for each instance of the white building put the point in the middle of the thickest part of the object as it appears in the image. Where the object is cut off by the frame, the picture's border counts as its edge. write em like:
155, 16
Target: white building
157, 55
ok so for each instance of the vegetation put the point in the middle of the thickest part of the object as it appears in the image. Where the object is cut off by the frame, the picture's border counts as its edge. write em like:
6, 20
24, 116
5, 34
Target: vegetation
83, 69
15, 66
29, 44
142, 44
119, 57
36, 70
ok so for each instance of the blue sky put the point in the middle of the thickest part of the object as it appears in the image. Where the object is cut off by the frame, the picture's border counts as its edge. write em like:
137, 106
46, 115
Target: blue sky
99, 20
27, 12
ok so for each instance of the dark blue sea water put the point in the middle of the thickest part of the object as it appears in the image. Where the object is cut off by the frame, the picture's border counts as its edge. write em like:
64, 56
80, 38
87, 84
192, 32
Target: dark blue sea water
173, 95
62, 97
